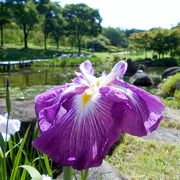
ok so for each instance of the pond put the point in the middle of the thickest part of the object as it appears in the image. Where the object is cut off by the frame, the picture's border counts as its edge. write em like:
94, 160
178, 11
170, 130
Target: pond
29, 82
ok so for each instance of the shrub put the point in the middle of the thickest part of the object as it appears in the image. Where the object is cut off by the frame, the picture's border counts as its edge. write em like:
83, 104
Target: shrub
177, 94
98, 44
168, 88
166, 62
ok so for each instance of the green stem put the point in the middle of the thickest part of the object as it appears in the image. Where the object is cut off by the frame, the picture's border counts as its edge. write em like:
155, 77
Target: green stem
84, 174
67, 172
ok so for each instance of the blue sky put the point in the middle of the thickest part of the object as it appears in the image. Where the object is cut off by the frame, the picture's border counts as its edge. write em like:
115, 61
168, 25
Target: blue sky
127, 14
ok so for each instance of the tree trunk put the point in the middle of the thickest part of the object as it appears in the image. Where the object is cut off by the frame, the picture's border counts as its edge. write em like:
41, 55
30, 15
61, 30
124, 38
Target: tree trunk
71, 40
26, 41
2, 38
162, 55
145, 53
45, 41
79, 44
25, 37
159, 55
57, 45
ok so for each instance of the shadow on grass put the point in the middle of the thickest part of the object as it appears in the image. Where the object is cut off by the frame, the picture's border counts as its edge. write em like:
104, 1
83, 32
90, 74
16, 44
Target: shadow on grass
13, 54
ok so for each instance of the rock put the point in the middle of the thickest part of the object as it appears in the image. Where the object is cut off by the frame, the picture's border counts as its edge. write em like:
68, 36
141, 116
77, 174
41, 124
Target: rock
141, 79
104, 172
22, 110
172, 114
165, 135
132, 68
170, 71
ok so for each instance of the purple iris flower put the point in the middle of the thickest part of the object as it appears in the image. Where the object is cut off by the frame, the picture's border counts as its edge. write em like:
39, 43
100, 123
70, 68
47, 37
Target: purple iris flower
80, 121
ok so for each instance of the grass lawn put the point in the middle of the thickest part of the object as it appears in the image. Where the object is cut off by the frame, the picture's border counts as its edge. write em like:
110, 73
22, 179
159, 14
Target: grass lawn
144, 159
14, 52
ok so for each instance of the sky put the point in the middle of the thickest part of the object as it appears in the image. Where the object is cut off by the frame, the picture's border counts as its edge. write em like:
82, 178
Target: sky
139, 14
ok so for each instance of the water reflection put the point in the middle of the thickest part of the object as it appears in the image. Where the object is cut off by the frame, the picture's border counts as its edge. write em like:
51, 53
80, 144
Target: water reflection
27, 83
42, 76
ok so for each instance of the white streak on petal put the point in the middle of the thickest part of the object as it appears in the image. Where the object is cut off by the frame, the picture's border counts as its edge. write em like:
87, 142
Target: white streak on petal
87, 73
118, 71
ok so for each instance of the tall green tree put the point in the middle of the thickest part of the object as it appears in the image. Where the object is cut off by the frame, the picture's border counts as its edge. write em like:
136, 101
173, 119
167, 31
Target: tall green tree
53, 23
159, 41
140, 41
81, 20
51, 20
58, 30
5, 17
26, 16
173, 40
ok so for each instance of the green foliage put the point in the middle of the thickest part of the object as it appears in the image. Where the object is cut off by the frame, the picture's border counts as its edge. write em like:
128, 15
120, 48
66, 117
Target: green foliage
98, 44
116, 36
20, 152
177, 94
170, 123
172, 102
33, 172
161, 41
52, 22
81, 20
26, 16
66, 62
143, 159
5, 17
165, 62
169, 86
140, 41
24, 54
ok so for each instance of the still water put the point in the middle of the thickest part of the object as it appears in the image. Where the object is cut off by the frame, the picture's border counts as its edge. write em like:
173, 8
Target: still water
27, 83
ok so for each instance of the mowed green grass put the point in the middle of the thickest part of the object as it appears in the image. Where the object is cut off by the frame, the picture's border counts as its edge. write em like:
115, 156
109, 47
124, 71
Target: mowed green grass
144, 159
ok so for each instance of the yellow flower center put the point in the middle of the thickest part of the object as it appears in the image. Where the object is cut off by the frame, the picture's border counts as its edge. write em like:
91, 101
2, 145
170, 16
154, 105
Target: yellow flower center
87, 96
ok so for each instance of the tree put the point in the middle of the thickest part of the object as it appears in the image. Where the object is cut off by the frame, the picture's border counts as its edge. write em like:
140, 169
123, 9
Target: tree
53, 23
159, 41
173, 40
51, 18
26, 16
116, 36
141, 40
58, 30
81, 20
5, 16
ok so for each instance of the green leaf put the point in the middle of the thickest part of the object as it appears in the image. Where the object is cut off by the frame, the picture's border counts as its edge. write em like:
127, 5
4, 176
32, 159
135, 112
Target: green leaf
8, 101
67, 172
35, 175
48, 168
18, 156
2, 142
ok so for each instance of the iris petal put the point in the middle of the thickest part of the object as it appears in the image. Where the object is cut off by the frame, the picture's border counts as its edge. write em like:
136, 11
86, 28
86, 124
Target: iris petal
83, 136
48, 104
140, 114
86, 67
118, 71
87, 72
